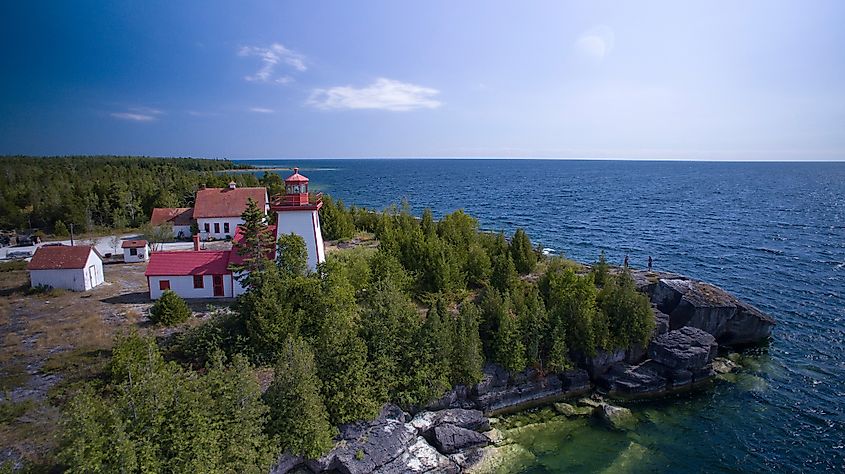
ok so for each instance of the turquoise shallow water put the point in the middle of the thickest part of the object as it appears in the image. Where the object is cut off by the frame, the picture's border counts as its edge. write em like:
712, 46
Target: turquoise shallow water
771, 233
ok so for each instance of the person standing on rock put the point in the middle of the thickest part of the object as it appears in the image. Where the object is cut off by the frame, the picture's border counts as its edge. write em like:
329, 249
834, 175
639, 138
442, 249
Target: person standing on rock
649, 263
625, 264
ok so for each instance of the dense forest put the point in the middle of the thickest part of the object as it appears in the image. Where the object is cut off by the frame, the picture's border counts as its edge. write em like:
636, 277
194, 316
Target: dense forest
403, 323
50, 193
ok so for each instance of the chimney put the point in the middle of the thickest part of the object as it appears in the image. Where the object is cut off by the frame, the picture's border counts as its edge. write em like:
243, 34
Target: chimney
196, 242
232, 185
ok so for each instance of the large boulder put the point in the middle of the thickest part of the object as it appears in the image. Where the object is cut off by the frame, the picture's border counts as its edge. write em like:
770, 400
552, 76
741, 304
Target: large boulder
468, 419
450, 439
617, 418
685, 348
601, 361
366, 446
420, 457
494, 376
711, 309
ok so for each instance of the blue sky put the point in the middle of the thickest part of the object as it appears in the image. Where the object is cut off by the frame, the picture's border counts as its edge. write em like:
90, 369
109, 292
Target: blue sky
750, 80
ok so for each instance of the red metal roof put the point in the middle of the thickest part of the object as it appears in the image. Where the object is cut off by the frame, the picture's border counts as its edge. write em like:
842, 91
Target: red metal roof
225, 202
236, 259
133, 244
173, 215
59, 257
191, 262
296, 177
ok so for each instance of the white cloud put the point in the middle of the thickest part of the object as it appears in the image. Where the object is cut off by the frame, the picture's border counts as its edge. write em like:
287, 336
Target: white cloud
138, 114
383, 94
261, 110
595, 43
270, 58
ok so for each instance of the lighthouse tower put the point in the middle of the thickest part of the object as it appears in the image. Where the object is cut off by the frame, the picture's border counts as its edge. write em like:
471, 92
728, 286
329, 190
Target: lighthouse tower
298, 213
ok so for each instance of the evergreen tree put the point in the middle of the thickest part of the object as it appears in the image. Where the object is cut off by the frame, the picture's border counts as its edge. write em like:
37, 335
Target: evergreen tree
389, 320
169, 309
532, 315
522, 252
467, 357
254, 246
571, 302
335, 220
161, 418
292, 258
504, 275
298, 416
60, 229
268, 313
427, 224
508, 350
341, 353
629, 317
600, 270
478, 266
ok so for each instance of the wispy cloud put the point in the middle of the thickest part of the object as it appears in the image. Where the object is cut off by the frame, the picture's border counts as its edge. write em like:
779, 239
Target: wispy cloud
261, 110
270, 58
596, 43
138, 114
383, 94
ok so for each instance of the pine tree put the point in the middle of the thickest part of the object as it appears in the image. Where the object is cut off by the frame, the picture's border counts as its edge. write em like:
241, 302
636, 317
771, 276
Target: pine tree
629, 317
508, 350
292, 258
572, 301
256, 244
600, 270
341, 353
60, 229
532, 315
298, 416
478, 266
467, 357
429, 369
522, 252
504, 275
267, 311
169, 309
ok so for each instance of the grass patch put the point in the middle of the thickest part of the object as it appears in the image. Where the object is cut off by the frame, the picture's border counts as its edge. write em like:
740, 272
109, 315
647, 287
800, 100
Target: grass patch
13, 266
46, 291
76, 367
12, 377
10, 411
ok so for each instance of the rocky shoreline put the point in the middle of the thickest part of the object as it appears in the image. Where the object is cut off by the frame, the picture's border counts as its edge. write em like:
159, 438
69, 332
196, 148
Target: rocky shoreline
454, 434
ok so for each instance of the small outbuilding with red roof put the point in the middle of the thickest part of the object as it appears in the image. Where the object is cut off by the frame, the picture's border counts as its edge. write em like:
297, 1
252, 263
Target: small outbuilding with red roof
71, 268
135, 250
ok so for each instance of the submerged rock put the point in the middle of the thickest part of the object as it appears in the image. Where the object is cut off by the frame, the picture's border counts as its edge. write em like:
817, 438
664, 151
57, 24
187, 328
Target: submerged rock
617, 418
570, 411
723, 366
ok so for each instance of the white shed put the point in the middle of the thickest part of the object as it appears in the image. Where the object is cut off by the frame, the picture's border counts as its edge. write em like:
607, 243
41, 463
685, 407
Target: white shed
135, 251
71, 268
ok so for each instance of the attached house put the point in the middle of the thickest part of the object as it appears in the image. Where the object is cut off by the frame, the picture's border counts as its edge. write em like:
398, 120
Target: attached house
135, 251
218, 210
179, 217
198, 274
71, 268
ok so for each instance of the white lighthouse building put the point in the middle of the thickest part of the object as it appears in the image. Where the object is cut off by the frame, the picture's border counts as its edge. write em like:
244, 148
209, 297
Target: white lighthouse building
297, 213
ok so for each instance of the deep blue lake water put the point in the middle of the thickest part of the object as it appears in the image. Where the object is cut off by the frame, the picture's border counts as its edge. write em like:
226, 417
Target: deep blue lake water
771, 233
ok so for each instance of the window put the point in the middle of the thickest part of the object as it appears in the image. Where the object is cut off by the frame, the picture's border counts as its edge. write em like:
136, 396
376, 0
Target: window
198, 281
226, 227
216, 227
164, 285
133, 252
207, 227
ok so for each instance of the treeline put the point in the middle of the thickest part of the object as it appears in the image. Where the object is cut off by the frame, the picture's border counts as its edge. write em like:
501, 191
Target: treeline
50, 193
403, 323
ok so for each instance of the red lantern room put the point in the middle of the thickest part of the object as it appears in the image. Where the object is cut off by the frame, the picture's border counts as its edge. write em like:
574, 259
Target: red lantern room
296, 189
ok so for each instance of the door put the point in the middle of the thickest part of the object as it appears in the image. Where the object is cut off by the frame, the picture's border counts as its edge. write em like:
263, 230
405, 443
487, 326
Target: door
92, 276
218, 285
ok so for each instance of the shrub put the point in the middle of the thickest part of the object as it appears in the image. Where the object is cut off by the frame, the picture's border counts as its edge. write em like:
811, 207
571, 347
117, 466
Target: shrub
170, 309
